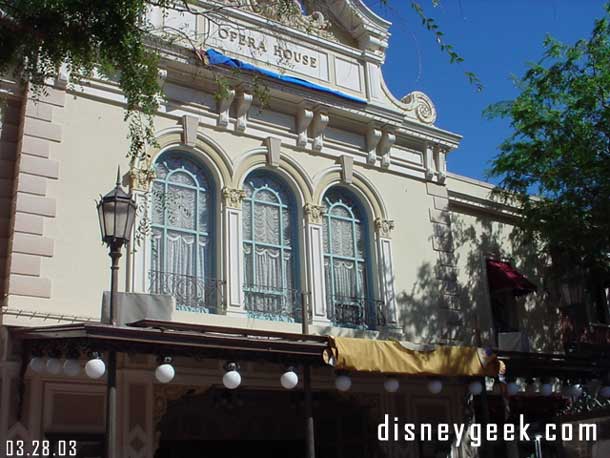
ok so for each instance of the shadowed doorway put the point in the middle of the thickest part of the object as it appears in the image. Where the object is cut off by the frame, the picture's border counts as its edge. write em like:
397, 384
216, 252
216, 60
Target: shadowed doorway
228, 424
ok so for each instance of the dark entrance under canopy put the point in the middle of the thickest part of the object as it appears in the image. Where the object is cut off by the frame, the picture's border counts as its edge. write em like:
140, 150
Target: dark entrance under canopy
246, 422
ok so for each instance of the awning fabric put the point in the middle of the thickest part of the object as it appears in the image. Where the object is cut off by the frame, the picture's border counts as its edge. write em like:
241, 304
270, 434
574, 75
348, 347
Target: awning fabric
502, 276
216, 58
391, 357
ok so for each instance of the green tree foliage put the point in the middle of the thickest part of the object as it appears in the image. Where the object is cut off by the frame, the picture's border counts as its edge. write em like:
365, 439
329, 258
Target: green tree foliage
560, 150
112, 38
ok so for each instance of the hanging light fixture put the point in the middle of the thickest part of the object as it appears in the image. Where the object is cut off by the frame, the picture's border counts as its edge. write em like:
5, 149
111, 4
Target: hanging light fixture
232, 378
391, 384
53, 366
38, 364
95, 367
289, 379
343, 382
165, 372
71, 367
475, 388
435, 386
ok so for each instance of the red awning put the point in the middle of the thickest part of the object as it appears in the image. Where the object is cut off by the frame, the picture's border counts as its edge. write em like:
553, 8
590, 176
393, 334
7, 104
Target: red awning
502, 276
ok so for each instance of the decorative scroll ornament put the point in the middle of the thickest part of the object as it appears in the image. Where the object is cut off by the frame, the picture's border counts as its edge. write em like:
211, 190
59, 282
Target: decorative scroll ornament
384, 227
233, 197
290, 13
420, 106
314, 213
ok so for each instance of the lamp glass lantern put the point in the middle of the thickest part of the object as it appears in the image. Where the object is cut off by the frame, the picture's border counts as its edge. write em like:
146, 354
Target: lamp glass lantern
117, 214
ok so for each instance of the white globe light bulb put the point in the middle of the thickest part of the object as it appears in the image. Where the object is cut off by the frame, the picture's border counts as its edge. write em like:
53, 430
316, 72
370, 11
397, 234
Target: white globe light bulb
546, 389
435, 386
95, 368
289, 379
165, 373
38, 364
53, 366
475, 388
391, 385
343, 383
72, 367
231, 379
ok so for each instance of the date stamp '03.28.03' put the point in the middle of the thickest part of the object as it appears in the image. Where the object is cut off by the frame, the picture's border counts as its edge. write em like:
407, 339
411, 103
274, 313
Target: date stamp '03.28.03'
39, 448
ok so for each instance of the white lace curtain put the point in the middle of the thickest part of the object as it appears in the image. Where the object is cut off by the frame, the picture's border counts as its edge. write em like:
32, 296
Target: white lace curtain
180, 221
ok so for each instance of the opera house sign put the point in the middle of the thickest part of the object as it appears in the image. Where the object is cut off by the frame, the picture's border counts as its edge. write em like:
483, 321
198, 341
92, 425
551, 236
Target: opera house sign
269, 49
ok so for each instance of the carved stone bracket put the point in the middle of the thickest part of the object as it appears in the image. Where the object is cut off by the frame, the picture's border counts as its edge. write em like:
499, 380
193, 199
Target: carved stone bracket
224, 106
314, 214
373, 136
233, 197
440, 153
318, 125
303, 120
429, 160
244, 101
385, 147
384, 227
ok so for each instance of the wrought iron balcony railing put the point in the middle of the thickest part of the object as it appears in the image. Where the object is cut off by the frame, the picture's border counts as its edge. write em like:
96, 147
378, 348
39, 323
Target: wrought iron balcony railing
271, 303
356, 312
192, 293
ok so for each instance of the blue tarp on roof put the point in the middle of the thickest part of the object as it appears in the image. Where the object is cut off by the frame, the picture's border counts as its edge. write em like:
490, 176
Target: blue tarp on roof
217, 58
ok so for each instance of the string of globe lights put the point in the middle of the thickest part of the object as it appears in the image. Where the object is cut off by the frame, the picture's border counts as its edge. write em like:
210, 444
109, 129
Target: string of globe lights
95, 368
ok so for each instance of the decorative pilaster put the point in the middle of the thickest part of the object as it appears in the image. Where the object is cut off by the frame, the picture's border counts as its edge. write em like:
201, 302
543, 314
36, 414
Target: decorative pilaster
243, 103
318, 125
314, 215
383, 229
373, 136
35, 167
232, 214
224, 105
303, 120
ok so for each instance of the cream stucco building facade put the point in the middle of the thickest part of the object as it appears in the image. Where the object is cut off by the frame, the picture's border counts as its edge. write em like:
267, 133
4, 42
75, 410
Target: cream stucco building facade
420, 234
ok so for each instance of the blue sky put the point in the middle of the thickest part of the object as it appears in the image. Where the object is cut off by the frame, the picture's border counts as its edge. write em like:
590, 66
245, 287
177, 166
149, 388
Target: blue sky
496, 39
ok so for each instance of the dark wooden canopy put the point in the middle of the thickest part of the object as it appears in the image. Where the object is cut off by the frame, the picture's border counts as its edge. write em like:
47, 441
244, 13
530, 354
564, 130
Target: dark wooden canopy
180, 339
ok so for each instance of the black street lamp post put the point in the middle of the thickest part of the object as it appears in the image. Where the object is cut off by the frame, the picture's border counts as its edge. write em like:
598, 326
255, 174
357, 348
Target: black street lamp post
116, 212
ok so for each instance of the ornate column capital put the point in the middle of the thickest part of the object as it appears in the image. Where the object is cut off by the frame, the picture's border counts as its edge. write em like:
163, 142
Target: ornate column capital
141, 178
233, 197
384, 227
313, 213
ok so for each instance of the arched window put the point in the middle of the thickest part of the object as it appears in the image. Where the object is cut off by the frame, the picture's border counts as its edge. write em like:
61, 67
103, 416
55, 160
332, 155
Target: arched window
270, 244
182, 244
346, 259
